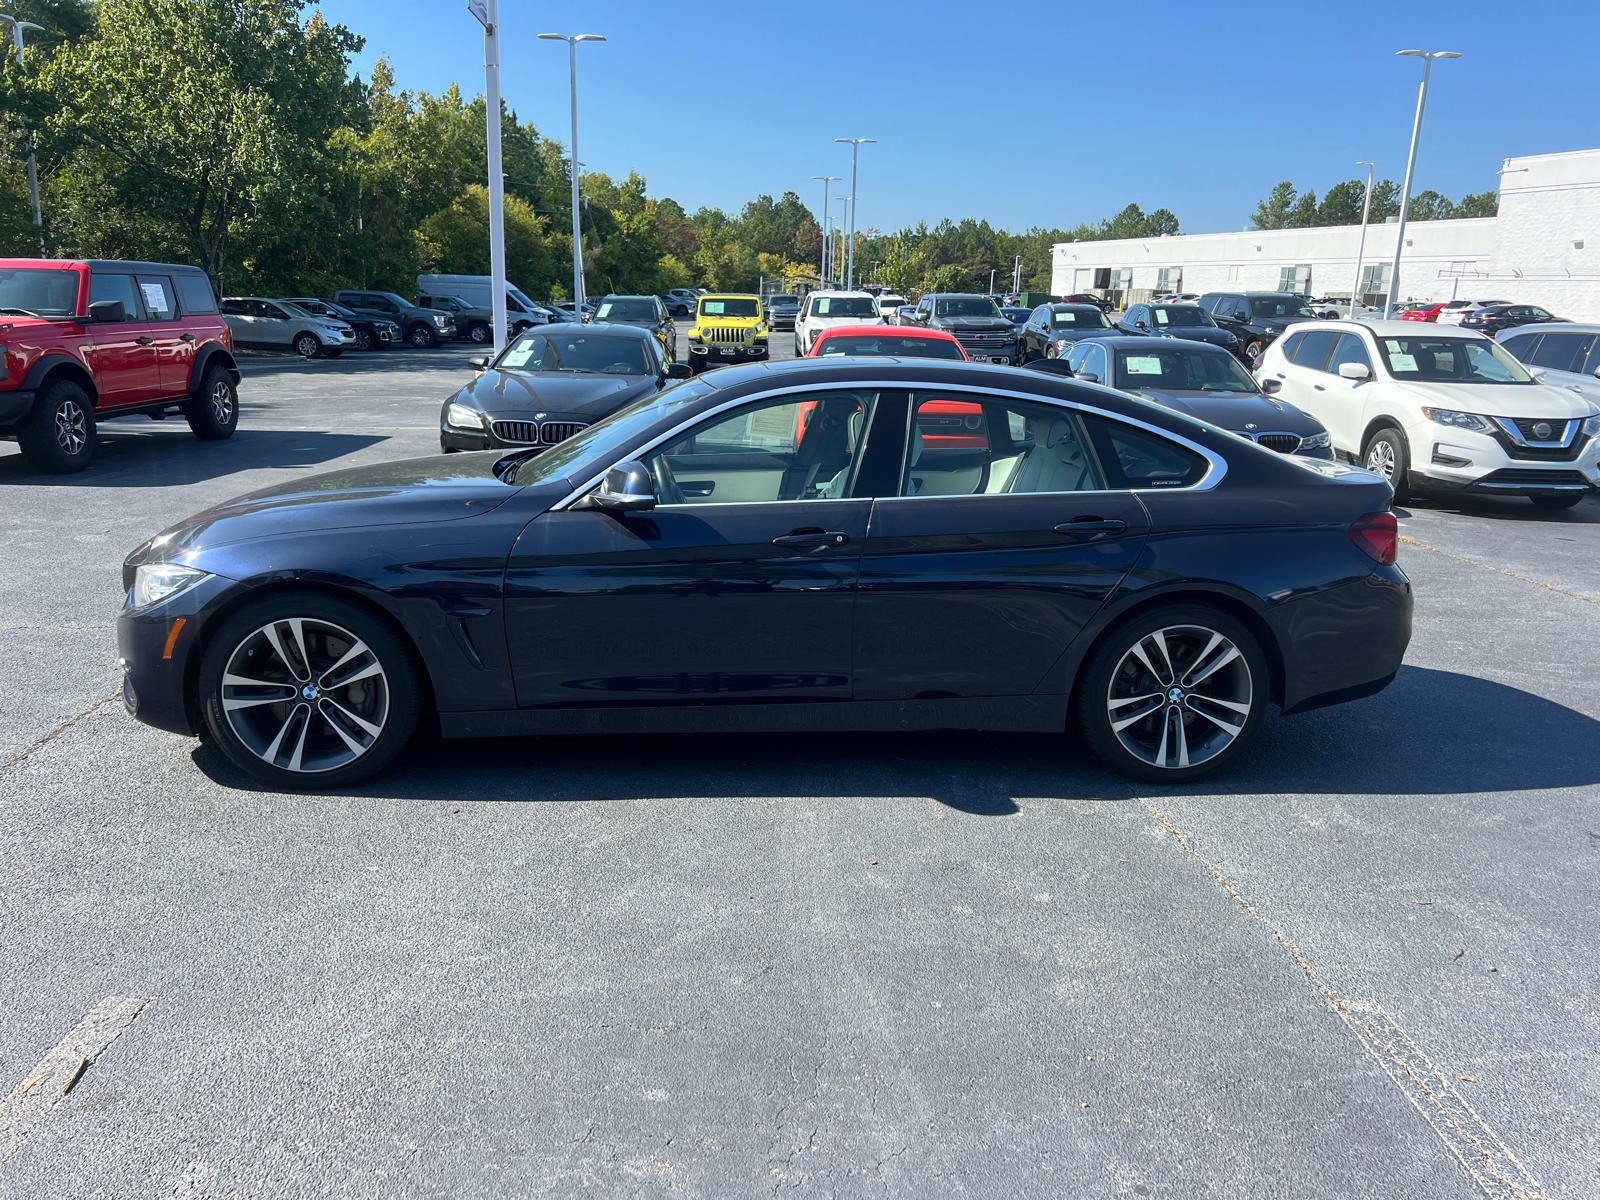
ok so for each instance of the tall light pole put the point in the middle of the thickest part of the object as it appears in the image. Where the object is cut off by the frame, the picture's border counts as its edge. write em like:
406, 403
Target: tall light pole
826, 180
1427, 57
17, 26
1016, 278
1361, 246
572, 41
855, 145
838, 251
488, 14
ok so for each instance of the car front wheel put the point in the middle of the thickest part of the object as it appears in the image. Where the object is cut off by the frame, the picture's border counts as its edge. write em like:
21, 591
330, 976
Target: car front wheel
363, 339
58, 434
1174, 693
307, 345
1252, 349
422, 337
1386, 455
309, 691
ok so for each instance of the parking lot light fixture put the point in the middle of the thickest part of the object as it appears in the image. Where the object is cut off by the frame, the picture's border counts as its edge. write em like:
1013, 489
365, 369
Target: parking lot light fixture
1427, 57
572, 41
1361, 245
855, 157
826, 180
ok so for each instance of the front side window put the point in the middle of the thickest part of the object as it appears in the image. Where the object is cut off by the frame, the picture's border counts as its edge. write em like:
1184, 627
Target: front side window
1350, 349
104, 286
966, 306
966, 445
1180, 369
729, 306
265, 308
381, 303
1450, 360
581, 353
797, 447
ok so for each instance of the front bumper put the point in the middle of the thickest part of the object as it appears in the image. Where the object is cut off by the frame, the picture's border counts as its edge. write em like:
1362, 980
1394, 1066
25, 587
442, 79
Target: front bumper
343, 341
14, 406
722, 354
989, 350
1444, 459
781, 320
158, 651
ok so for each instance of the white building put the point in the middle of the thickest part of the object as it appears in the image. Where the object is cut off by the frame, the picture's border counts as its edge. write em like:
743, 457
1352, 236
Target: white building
1539, 250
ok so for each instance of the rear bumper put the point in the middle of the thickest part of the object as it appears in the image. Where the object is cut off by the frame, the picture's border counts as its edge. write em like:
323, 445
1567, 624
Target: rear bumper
14, 406
1345, 642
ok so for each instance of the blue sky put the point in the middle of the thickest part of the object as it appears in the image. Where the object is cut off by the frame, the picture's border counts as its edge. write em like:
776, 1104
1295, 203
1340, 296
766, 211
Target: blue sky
984, 110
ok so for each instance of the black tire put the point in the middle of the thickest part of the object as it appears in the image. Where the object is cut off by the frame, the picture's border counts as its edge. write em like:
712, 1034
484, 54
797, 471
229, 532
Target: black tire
479, 332
213, 411
58, 435
364, 339
1386, 454
1555, 503
1052, 350
296, 742
1116, 679
308, 345
1253, 348
422, 337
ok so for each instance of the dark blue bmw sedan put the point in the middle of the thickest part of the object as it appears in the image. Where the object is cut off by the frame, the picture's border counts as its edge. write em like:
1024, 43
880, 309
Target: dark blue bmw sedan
768, 548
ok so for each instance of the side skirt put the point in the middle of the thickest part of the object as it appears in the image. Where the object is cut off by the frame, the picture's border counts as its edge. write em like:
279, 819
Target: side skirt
1023, 714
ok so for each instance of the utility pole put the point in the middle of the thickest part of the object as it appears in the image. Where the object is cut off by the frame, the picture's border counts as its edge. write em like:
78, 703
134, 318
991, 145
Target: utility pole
826, 180
488, 14
17, 26
855, 156
577, 230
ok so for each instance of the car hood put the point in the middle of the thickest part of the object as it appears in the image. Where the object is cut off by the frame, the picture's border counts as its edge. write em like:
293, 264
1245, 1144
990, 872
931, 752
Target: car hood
1236, 410
973, 324
1500, 399
410, 491
514, 394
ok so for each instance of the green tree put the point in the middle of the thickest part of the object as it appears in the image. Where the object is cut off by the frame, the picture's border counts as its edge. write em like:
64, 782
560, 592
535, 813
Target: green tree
1341, 204
1430, 206
1276, 210
1479, 204
455, 241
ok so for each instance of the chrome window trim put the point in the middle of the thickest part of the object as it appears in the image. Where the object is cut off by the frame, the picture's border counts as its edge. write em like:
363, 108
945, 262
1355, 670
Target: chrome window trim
1216, 465
1509, 425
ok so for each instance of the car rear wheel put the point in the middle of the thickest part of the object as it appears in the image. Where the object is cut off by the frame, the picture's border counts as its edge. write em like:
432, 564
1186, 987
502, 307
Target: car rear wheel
58, 434
1557, 502
422, 337
1174, 693
1252, 349
1386, 455
363, 339
307, 345
309, 691
213, 411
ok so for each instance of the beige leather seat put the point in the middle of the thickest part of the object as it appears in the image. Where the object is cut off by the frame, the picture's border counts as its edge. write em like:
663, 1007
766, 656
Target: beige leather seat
1056, 463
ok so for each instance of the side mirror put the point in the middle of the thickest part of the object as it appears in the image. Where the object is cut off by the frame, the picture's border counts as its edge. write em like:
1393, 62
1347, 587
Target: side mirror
678, 370
1086, 376
107, 312
1354, 370
480, 363
1269, 386
627, 487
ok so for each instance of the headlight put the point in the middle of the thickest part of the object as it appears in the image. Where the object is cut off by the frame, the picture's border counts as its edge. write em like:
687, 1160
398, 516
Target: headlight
694, 335
1591, 427
439, 319
1317, 441
1459, 420
157, 581
459, 416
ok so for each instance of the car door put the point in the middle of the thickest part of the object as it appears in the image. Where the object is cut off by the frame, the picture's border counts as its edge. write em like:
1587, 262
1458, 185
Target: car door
993, 555
1346, 401
272, 325
123, 354
738, 586
174, 354
1560, 359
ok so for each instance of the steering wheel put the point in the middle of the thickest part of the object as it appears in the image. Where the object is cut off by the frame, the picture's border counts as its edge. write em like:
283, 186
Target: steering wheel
667, 490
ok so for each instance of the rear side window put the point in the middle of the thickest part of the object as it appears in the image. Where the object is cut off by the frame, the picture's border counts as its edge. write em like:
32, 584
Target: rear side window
195, 292
156, 292
1562, 351
114, 287
1313, 352
1137, 458
970, 445
1291, 345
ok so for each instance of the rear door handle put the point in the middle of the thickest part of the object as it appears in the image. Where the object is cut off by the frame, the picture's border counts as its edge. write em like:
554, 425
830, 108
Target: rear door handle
818, 538
186, 337
1319, 387
1090, 527
144, 341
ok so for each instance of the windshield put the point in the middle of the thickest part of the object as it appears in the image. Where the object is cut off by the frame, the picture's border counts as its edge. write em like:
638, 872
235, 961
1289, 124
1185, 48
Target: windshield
1451, 360
1279, 306
1078, 318
293, 309
966, 306
791, 300
845, 306
626, 310
626, 423
1181, 316
592, 353
729, 306
890, 346
1181, 369
890, 301
44, 293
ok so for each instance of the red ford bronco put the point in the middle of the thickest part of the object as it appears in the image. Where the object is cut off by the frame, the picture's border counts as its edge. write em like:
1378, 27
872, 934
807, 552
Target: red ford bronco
85, 341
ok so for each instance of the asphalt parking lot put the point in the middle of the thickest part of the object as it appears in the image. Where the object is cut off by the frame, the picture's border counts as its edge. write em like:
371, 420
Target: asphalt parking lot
1361, 963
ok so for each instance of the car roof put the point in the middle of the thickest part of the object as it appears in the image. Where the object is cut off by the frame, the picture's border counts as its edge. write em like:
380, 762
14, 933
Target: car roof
601, 330
1075, 306
730, 296
1544, 327
841, 292
1187, 345
913, 331
1385, 328
629, 296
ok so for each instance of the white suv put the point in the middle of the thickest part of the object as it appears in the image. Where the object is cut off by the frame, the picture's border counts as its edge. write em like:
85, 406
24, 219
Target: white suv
824, 310
1437, 410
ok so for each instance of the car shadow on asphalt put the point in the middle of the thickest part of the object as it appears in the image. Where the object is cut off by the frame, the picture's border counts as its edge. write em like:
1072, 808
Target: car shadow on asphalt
1432, 732
168, 455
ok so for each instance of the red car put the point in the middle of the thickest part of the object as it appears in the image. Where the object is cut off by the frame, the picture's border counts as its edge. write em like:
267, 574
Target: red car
944, 424
85, 341
1428, 312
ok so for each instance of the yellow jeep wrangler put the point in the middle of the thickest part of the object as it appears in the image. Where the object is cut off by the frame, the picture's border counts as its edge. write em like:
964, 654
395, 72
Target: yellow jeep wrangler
727, 329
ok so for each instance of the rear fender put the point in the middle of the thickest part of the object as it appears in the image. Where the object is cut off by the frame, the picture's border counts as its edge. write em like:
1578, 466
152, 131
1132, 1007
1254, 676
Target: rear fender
212, 352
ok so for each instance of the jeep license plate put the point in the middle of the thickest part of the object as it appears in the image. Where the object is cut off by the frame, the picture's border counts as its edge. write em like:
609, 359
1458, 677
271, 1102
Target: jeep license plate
727, 350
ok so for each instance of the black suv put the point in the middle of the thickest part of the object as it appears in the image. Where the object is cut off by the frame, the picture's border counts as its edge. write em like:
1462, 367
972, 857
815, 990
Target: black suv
1256, 318
418, 326
647, 312
985, 333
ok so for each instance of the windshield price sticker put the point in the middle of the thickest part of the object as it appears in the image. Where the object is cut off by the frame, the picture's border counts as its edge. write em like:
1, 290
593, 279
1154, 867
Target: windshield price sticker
1066, 318
1142, 366
712, 306
1402, 362
1161, 316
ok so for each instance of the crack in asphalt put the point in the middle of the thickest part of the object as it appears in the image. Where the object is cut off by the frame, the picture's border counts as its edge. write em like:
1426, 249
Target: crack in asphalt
1487, 1159
60, 729
1500, 571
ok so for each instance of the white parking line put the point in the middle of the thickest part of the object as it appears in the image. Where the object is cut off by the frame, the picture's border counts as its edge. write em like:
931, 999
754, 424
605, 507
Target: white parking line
32, 1100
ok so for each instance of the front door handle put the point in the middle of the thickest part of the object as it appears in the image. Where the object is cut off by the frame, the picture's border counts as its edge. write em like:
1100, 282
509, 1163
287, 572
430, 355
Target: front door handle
144, 341
817, 538
1090, 527
1319, 387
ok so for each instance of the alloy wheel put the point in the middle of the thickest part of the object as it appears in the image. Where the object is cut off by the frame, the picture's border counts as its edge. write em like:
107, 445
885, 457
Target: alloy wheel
306, 346
305, 695
1380, 459
72, 428
221, 402
1179, 696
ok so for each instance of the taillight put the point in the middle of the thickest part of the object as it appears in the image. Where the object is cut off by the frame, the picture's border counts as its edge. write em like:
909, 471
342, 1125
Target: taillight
1377, 535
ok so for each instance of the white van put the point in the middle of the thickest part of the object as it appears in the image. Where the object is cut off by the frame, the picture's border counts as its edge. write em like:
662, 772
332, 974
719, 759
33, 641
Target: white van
478, 291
